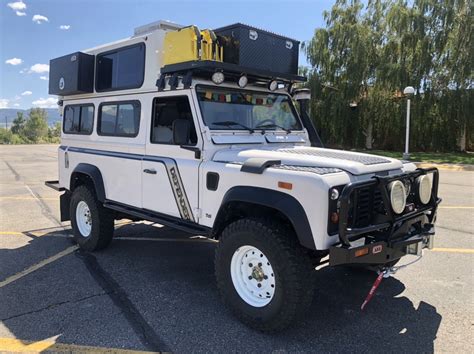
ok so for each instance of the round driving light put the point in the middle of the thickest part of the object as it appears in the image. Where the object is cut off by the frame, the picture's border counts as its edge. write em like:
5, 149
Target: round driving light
243, 81
397, 196
334, 194
424, 189
273, 85
218, 78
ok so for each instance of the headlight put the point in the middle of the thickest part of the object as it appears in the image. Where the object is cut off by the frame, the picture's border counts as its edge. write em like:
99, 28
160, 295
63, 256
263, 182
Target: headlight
424, 189
397, 196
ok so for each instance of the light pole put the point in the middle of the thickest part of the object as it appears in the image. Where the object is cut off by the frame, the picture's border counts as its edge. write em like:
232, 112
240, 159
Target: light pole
408, 91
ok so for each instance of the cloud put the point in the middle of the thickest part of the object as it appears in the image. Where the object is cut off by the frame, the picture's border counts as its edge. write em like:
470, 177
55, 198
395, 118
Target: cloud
4, 103
39, 19
44, 78
17, 98
14, 61
16, 105
27, 93
39, 68
46, 103
17, 5
65, 27
19, 13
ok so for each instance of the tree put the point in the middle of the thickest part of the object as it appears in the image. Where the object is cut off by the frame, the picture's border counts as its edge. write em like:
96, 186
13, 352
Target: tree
18, 123
36, 126
54, 131
363, 58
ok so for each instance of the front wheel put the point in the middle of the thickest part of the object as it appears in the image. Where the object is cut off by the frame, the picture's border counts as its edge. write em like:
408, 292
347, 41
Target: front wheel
92, 224
263, 274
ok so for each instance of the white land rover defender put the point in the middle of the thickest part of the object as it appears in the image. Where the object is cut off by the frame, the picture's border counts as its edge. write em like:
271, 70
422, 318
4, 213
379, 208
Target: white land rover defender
198, 130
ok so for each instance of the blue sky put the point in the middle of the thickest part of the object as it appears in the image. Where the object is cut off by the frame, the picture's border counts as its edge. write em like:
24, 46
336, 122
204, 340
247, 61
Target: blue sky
34, 31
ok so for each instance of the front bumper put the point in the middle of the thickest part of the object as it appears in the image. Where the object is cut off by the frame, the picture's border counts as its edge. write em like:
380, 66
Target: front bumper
393, 236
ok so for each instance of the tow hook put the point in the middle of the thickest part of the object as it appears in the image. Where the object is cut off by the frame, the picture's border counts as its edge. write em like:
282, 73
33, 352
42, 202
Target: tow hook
384, 273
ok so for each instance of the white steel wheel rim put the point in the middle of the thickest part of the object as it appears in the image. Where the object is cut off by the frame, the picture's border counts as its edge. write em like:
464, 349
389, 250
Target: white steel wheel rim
252, 276
83, 219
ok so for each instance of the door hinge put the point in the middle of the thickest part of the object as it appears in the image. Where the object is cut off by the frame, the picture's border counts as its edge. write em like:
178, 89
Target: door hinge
198, 213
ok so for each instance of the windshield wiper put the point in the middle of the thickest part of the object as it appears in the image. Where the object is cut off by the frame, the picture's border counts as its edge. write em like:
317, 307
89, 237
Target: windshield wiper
272, 125
229, 123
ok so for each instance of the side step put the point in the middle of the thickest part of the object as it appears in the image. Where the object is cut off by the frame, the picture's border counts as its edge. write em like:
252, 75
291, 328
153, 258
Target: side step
54, 185
163, 219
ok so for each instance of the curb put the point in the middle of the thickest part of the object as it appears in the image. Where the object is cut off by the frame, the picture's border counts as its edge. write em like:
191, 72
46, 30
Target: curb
445, 166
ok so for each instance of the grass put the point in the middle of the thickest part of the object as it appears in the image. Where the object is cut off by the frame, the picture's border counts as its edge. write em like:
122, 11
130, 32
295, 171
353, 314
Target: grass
434, 157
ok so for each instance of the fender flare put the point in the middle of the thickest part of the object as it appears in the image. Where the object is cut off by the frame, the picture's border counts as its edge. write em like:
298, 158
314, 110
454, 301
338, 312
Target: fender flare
284, 203
94, 174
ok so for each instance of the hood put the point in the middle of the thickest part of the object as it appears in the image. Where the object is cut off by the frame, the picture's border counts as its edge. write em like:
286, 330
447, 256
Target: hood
352, 162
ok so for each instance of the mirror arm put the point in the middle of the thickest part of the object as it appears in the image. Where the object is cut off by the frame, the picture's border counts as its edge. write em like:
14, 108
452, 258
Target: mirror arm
195, 149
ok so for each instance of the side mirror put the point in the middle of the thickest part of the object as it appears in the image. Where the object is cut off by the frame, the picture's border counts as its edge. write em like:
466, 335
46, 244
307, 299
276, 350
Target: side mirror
181, 131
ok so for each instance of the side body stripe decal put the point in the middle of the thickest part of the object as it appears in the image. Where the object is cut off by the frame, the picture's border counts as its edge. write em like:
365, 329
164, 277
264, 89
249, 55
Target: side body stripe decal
172, 170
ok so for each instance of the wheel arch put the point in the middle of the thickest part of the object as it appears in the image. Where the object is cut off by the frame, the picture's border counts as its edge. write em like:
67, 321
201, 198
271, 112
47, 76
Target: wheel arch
85, 173
238, 202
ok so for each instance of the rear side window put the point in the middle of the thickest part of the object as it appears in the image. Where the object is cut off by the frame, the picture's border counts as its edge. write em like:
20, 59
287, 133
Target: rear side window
121, 69
119, 119
78, 119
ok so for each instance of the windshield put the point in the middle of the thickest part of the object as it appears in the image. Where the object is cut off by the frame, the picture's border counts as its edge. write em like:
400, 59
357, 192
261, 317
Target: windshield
228, 109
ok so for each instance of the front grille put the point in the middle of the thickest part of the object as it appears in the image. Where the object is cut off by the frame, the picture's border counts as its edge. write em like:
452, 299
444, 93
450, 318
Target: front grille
366, 204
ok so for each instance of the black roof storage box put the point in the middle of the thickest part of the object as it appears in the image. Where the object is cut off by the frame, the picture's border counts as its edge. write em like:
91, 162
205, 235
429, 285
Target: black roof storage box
255, 48
71, 74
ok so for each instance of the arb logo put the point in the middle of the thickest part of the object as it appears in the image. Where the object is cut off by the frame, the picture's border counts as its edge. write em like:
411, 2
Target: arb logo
377, 249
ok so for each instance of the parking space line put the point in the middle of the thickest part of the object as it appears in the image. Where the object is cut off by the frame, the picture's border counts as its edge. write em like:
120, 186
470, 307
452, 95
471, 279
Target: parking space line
17, 345
11, 233
456, 207
37, 266
27, 198
453, 250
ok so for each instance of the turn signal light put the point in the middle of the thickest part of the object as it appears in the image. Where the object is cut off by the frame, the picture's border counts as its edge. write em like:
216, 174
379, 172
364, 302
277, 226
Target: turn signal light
285, 185
334, 218
362, 252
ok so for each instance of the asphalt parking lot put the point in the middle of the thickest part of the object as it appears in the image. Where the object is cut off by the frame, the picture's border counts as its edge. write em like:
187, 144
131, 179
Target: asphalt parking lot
153, 289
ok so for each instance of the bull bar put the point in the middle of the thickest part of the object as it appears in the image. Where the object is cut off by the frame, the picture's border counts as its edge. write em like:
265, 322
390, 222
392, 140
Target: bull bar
387, 240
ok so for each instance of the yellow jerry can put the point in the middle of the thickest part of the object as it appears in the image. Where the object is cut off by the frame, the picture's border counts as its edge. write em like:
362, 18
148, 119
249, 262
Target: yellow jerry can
182, 45
210, 48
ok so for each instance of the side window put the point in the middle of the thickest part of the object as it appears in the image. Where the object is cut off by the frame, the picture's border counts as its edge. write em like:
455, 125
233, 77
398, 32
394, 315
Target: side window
119, 119
78, 119
121, 69
171, 113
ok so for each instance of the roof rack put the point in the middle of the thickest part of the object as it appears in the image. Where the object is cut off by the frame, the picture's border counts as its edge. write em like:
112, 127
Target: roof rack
205, 68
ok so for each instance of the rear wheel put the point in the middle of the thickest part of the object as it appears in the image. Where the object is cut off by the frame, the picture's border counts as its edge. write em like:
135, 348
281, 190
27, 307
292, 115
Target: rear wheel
263, 274
92, 224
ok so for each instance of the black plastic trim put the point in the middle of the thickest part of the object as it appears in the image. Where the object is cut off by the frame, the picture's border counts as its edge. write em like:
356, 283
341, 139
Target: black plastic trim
94, 174
258, 164
163, 219
64, 206
284, 203
212, 181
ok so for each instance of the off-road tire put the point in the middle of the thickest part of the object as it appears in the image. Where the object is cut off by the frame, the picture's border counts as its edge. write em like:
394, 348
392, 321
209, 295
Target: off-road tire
102, 229
294, 273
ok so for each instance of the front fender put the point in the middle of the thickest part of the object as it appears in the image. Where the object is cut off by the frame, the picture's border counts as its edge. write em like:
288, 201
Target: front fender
284, 203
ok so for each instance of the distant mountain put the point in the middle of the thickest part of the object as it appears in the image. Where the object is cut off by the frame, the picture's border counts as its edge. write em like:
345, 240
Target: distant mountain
10, 115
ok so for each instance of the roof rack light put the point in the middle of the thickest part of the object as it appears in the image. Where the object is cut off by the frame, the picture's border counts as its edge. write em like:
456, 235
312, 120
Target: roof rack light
218, 77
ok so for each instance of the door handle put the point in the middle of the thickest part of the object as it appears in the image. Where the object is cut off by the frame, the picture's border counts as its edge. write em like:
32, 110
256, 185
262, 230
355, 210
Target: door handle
150, 171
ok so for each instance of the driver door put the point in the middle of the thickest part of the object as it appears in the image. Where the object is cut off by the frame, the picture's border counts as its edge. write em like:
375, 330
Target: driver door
170, 179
